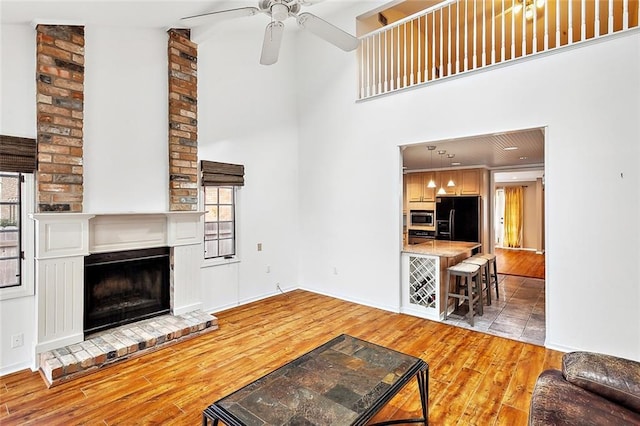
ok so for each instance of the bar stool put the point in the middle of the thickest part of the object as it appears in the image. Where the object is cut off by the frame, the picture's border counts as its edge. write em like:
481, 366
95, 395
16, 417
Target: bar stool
485, 278
470, 290
493, 268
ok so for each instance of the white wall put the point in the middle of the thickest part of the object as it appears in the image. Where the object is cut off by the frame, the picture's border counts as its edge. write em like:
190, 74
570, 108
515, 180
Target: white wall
589, 98
17, 118
17, 85
247, 115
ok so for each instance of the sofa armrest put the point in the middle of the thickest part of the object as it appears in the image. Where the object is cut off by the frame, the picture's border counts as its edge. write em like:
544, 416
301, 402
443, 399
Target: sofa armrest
614, 378
555, 401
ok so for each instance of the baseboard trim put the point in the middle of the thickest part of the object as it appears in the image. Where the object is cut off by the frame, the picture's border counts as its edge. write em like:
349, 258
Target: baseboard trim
14, 368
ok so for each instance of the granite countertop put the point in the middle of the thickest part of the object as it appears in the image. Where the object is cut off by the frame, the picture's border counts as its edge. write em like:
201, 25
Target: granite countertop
440, 248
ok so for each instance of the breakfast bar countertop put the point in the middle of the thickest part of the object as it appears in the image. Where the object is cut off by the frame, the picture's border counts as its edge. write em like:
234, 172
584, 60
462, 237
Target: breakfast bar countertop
441, 248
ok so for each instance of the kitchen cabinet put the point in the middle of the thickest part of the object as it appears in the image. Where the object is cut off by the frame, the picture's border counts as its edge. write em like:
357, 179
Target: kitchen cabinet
442, 180
417, 190
468, 182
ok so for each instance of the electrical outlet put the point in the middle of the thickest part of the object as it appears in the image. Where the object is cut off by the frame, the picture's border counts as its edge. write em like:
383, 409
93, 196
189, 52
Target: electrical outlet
17, 340
259, 246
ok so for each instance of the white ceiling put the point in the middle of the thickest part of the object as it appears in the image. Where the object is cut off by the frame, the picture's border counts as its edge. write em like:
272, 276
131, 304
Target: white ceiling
518, 176
480, 151
138, 13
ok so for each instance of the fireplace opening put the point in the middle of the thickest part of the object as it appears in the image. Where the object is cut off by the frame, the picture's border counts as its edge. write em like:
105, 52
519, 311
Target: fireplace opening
124, 287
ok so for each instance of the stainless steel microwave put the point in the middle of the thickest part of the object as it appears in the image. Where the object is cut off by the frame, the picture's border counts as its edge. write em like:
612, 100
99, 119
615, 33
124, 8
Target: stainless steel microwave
421, 218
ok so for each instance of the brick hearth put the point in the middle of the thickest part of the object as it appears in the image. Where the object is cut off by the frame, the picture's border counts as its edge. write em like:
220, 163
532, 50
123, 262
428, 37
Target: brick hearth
118, 344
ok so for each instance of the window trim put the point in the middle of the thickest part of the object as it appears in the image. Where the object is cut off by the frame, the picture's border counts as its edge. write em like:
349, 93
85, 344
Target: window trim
27, 236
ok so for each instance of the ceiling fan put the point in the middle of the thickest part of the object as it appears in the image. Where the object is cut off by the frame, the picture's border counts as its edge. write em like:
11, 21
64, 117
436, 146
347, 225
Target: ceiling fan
530, 7
280, 10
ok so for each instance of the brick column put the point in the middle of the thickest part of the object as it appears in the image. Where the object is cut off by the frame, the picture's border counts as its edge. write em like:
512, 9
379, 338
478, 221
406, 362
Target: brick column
183, 122
60, 115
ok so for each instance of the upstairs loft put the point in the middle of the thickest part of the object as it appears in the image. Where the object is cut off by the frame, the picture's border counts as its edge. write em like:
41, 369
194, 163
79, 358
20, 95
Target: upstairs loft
453, 37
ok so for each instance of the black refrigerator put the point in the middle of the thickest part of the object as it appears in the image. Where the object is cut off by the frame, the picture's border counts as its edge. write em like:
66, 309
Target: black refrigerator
458, 218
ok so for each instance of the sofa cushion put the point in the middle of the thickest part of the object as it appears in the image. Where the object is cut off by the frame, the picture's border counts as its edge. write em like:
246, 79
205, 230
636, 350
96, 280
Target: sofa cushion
616, 379
555, 401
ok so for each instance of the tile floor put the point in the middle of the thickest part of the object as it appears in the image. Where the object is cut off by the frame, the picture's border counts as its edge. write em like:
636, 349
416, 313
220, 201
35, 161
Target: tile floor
518, 315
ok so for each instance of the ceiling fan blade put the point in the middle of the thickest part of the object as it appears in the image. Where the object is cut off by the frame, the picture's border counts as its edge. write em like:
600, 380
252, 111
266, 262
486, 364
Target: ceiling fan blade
328, 32
271, 43
211, 17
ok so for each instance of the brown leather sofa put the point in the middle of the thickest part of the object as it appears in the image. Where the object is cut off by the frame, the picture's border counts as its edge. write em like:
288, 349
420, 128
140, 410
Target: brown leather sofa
591, 389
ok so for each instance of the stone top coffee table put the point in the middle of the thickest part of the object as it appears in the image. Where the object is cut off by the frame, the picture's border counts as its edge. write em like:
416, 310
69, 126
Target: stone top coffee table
346, 381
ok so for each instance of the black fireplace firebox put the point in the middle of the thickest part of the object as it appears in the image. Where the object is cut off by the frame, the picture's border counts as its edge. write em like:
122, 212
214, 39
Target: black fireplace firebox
124, 287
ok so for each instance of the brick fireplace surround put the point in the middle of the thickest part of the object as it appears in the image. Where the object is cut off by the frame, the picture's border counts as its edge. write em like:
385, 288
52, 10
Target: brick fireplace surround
65, 234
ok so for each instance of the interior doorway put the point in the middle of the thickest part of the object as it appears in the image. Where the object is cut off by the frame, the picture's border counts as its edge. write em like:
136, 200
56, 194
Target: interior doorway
498, 218
519, 313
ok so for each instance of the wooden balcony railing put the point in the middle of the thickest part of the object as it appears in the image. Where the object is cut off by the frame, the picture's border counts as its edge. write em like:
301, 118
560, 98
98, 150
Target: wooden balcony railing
459, 36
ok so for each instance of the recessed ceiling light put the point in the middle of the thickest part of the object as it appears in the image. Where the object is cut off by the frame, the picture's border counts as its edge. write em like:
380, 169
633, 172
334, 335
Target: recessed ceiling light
455, 164
511, 148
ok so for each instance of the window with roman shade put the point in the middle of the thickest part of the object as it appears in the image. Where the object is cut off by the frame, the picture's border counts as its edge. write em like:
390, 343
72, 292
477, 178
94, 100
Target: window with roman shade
221, 174
17, 155
17, 165
220, 181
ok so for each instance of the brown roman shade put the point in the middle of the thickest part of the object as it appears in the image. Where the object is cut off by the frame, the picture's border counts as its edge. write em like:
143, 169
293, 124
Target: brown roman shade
221, 174
17, 154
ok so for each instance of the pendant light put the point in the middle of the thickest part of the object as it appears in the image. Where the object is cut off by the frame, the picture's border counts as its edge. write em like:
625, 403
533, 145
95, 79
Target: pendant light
432, 183
441, 191
451, 183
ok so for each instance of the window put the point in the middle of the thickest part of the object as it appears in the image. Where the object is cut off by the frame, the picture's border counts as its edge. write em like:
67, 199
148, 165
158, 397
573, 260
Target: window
10, 229
220, 181
16, 234
219, 222
17, 164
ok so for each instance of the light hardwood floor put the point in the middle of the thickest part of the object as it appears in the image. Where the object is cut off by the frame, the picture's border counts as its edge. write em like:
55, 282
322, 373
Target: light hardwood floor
474, 378
524, 263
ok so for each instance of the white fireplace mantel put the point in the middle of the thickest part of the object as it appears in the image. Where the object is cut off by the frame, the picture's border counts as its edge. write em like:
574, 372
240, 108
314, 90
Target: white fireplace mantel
79, 234
64, 239
61, 234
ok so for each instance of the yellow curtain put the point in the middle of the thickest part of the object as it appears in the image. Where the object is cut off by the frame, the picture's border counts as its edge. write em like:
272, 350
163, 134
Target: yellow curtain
513, 214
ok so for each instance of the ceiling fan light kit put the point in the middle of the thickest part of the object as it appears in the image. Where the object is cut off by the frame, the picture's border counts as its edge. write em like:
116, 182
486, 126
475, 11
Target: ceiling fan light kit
280, 10
529, 7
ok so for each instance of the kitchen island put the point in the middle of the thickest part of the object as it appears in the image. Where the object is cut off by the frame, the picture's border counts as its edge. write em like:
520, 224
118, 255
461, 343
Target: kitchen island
424, 270
448, 249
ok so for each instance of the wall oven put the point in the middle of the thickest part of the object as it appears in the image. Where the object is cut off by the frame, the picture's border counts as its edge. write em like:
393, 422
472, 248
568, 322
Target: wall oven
421, 218
418, 236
